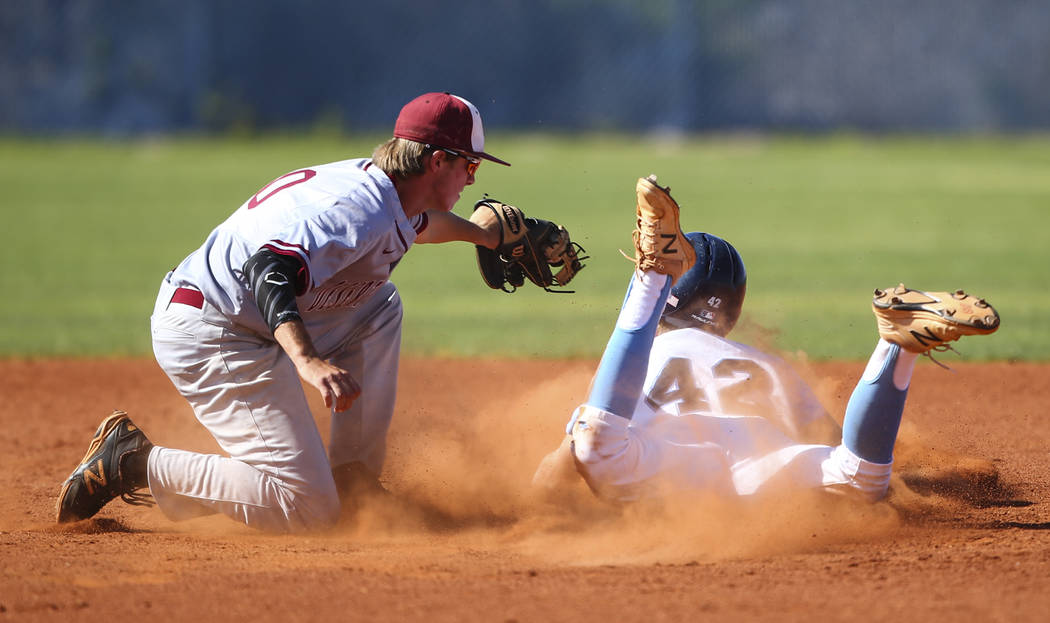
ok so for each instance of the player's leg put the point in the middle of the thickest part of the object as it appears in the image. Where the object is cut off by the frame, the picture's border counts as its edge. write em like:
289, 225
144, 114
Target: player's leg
873, 413
621, 372
662, 254
247, 393
911, 323
367, 343
607, 453
614, 457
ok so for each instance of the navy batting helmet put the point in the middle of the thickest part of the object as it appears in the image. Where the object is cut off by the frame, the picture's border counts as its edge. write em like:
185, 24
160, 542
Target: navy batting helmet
710, 295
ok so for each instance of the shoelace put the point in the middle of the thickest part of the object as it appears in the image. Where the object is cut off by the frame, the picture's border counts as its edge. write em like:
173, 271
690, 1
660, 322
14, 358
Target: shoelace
138, 499
940, 349
636, 234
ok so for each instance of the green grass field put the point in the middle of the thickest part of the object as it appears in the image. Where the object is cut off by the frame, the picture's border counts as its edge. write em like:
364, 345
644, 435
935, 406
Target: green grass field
92, 226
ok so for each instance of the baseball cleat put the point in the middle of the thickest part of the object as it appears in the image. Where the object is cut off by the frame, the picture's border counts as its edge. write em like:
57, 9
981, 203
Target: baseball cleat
923, 321
104, 472
659, 243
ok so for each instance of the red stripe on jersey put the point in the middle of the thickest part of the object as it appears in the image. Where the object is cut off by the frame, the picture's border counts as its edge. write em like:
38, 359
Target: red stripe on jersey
424, 220
369, 165
302, 276
403, 243
287, 248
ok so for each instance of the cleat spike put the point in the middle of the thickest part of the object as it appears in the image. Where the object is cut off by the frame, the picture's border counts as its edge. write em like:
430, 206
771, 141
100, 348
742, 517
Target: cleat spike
921, 322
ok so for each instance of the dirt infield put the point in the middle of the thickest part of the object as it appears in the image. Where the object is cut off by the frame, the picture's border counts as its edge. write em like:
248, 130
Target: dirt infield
964, 536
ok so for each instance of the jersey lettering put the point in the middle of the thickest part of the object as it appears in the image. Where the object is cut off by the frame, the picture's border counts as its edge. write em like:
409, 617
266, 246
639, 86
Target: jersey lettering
343, 294
285, 181
676, 385
750, 391
742, 387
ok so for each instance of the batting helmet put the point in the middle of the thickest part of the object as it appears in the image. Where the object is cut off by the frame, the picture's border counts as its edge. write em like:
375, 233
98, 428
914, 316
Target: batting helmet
710, 295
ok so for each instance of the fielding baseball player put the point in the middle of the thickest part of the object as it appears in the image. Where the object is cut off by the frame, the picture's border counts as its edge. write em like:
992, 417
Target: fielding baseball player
689, 410
296, 283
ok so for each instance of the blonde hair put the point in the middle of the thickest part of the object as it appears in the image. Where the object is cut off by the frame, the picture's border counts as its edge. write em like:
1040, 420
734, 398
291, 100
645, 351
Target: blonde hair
400, 158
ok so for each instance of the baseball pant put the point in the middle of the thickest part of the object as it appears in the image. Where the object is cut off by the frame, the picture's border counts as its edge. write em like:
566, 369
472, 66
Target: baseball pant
245, 390
624, 462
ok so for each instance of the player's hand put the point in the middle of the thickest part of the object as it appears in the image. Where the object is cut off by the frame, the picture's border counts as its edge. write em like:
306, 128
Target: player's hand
337, 387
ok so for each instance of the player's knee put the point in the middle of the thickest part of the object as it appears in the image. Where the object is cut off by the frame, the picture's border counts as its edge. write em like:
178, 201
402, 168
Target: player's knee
311, 510
598, 435
315, 514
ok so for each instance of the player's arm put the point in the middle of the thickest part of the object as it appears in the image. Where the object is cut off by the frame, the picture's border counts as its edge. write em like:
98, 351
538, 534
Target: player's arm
337, 387
276, 279
449, 227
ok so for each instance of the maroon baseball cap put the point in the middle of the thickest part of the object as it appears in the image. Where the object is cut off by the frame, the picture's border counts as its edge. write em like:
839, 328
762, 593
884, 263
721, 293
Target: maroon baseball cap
444, 120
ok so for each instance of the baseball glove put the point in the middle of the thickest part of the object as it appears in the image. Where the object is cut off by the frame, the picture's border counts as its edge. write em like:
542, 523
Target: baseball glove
528, 248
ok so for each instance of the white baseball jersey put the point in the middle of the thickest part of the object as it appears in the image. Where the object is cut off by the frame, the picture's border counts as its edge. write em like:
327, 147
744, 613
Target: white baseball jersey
692, 371
715, 416
343, 220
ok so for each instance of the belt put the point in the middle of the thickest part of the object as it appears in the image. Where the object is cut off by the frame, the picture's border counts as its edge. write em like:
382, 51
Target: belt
186, 296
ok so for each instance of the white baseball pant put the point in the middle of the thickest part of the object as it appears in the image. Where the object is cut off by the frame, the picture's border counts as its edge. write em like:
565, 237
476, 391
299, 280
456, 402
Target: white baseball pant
245, 390
624, 462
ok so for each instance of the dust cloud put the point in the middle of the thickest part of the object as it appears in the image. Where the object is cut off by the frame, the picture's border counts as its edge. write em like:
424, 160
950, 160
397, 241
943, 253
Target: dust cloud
468, 476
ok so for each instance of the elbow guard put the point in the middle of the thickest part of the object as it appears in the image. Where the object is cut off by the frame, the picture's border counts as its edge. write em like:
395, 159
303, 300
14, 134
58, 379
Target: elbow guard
276, 280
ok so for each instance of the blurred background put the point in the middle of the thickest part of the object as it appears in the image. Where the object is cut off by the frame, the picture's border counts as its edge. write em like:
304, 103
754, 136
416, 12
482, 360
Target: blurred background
122, 67
839, 145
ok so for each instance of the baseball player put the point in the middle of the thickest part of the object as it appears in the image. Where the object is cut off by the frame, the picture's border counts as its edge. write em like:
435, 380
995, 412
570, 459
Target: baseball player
294, 284
677, 407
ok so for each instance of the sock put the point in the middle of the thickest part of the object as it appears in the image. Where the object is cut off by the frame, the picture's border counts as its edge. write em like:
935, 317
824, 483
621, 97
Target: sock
625, 362
873, 414
134, 468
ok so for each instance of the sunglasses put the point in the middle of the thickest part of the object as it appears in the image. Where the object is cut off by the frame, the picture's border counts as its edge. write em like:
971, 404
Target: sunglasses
472, 163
